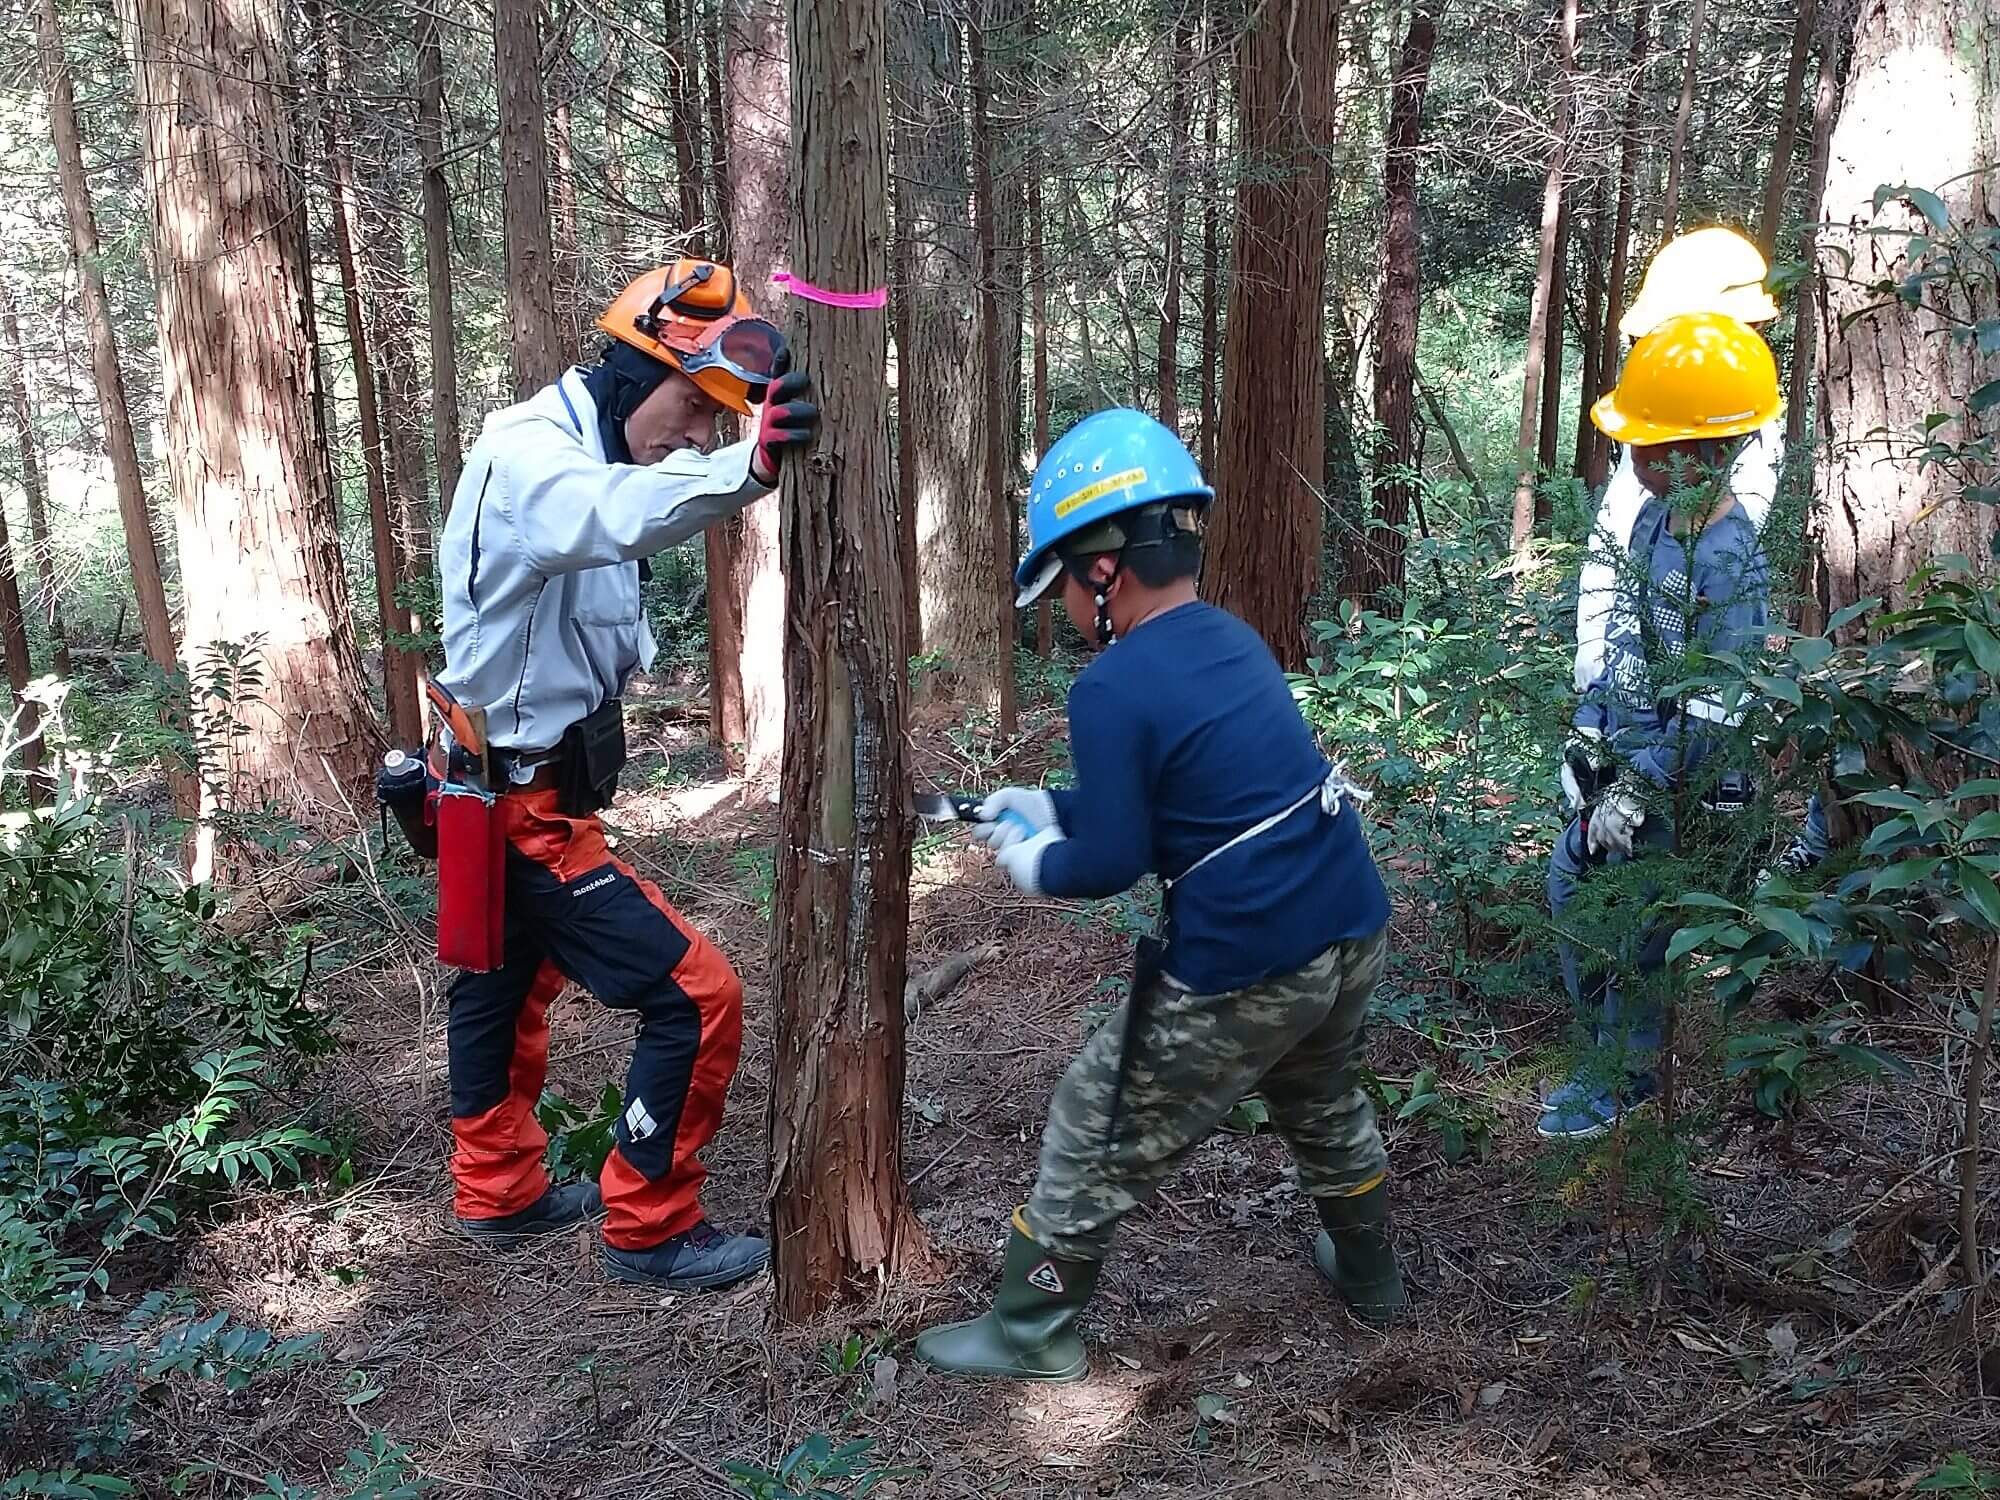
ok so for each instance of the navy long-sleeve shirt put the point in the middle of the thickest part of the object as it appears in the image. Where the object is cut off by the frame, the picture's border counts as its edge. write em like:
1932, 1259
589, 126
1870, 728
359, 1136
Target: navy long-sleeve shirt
1184, 734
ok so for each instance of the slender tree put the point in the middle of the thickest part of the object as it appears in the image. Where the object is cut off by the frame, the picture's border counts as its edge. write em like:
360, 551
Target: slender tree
1670, 210
1550, 423
34, 479
993, 347
941, 405
23, 723
1778, 179
1604, 375
1039, 284
148, 587
1263, 554
246, 450
1180, 95
1526, 443
746, 586
535, 329
440, 317
1211, 216
399, 666
1590, 327
684, 99
840, 1209
1826, 98
1376, 569
717, 156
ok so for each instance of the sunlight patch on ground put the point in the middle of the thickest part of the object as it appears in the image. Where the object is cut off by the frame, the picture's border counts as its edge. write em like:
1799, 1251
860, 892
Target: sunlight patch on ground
699, 799
1071, 1426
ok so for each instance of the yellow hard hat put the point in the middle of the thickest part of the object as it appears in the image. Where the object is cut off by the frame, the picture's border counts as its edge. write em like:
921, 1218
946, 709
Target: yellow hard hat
1705, 270
1699, 375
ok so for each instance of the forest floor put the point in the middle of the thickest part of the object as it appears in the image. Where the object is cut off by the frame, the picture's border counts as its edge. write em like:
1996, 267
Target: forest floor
1796, 1344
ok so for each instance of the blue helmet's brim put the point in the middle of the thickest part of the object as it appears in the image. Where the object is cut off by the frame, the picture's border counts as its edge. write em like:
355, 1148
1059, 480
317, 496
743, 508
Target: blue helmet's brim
1034, 585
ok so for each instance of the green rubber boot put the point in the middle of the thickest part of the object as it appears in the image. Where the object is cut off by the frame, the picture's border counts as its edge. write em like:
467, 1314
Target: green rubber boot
1030, 1334
1355, 1254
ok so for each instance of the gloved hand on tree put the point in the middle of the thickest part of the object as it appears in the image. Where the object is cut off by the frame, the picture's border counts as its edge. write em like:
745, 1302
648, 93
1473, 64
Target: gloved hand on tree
788, 419
1031, 804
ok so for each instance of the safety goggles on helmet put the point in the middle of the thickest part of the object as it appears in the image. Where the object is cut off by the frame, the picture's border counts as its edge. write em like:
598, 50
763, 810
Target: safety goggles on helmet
699, 322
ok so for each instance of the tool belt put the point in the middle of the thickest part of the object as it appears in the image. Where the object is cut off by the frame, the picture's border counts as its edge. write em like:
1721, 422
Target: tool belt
583, 767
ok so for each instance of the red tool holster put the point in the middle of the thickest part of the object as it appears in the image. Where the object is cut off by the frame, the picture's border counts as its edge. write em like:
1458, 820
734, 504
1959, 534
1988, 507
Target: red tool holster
472, 877
471, 843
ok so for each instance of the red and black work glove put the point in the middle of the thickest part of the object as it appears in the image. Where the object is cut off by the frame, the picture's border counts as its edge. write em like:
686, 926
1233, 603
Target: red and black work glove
788, 419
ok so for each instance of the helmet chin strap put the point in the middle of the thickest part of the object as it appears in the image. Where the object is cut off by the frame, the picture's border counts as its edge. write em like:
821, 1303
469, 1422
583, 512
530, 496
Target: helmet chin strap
1107, 633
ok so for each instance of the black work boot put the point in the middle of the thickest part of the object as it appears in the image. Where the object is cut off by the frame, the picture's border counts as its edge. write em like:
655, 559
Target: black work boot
1355, 1254
557, 1208
702, 1258
1031, 1332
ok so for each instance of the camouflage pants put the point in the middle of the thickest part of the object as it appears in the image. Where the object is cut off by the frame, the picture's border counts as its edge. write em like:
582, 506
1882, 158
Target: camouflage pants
1296, 1040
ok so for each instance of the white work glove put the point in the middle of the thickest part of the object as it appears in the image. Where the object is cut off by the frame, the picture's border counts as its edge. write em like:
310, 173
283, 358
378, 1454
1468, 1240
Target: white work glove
1022, 860
1572, 793
1035, 806
1613, 821
1586, 745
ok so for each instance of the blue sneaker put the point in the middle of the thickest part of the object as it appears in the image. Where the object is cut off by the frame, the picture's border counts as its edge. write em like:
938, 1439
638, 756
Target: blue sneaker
1581, 1110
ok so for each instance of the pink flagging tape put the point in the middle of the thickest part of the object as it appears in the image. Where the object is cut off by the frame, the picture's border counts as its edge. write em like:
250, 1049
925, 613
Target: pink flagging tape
798, 287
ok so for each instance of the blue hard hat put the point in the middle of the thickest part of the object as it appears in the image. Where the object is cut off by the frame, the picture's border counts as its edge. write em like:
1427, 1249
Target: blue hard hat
1109, 462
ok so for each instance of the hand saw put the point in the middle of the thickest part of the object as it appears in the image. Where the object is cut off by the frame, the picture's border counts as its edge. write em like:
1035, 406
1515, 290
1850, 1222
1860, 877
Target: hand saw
942, 807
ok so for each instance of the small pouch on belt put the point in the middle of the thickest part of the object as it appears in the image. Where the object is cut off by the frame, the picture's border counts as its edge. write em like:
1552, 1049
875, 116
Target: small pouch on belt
589, 759
472, 877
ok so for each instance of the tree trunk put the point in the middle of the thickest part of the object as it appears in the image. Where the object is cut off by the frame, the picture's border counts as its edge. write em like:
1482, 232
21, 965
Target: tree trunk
1670, 210
22, 723
260, 555
1526, 505
1211, 216
399, 667
718, 133
1180, 62
14, 371
1378, 566
1038, 277
684, 98
1591, 331
748, 684
1553, 330
439, 317
1826, 95
1604, 376
392, 319
1771, 219
568, 264
941, 393
535, 331
119, 440
992, 359
1263, 551
902, 278
840, 1210
1880, 517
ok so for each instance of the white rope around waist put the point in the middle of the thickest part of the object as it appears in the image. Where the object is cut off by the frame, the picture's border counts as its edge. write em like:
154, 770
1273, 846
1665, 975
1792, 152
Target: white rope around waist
1331, 793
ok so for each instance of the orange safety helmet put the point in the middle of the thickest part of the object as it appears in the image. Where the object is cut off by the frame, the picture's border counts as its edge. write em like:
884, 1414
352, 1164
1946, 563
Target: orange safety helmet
693, 316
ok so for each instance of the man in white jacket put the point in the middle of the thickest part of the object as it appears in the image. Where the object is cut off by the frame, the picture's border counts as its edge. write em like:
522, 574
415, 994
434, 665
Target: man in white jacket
563, 498
1706, 270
